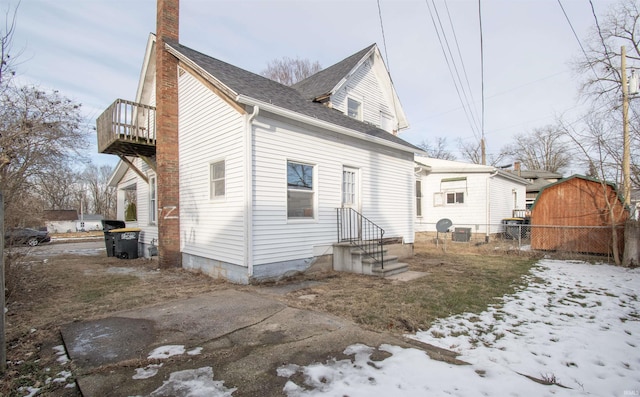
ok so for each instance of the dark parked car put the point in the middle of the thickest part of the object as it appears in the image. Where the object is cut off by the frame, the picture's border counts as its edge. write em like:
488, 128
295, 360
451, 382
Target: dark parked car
27, 236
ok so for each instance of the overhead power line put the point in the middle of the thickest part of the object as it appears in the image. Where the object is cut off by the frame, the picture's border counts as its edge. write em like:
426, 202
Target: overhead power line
453, 70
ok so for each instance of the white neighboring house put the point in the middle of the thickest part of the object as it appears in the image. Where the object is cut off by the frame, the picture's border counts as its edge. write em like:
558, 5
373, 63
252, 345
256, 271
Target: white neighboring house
89, 222
470, 195
264, 167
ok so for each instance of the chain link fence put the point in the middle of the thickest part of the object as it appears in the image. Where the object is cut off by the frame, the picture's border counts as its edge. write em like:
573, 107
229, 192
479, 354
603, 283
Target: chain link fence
565, 242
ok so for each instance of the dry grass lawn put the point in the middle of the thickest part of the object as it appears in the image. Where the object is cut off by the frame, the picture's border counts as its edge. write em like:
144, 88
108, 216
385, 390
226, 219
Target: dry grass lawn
43, 296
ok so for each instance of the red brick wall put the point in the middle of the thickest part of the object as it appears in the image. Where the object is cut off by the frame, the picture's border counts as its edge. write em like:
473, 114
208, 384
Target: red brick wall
167, 136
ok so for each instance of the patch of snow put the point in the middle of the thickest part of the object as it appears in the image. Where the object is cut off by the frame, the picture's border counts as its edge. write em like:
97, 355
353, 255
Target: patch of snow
147, 372
575, 324
167, 351
31, 390
62, 354
194, 352
62, 377
194, 383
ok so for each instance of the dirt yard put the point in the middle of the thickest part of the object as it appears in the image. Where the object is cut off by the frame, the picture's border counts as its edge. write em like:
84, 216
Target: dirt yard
45, 293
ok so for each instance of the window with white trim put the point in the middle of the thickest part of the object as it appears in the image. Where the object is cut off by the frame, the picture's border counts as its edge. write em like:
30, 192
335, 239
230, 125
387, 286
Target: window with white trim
153, 200
300, 191
217, 185
455, 198
354, 108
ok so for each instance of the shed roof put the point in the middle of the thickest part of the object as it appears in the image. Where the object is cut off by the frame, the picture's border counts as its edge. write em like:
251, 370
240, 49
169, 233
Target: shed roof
578, 176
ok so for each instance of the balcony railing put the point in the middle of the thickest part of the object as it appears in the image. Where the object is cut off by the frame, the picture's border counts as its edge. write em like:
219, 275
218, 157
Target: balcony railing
127, 128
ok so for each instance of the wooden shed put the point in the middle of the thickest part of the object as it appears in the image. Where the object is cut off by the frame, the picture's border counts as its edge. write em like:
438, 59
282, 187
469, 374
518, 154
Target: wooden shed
573, 215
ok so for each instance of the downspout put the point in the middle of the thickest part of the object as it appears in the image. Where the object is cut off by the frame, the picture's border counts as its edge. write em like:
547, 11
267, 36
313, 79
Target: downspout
487, 229
248, 200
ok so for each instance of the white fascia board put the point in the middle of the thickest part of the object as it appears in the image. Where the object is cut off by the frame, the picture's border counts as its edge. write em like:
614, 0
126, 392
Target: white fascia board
320, 123
117, 174
352, 71
151, 41
206, 75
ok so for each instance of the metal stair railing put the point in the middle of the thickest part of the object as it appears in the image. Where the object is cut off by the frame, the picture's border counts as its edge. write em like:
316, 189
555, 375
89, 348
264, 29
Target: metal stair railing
357, 230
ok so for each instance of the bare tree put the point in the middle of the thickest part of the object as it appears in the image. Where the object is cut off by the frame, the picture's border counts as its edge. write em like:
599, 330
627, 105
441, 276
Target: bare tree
59, 189
601, 64
289, 71
472, 152
437, 149
543, 149
7, 56
40, 132
600, 68
101, 198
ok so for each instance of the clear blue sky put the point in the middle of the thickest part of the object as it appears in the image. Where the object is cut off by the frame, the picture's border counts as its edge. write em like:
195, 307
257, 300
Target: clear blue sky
92, 51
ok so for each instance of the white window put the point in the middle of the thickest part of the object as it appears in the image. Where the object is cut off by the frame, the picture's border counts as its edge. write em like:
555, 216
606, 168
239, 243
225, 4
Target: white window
354, 108
217, 179
300, 191
418, 198
455, 198
153, 201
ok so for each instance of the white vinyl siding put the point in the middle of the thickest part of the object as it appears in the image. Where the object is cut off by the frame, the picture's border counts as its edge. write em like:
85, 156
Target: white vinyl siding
364, 86
502, 198
437, 193
386, 178
210, 129
486, 200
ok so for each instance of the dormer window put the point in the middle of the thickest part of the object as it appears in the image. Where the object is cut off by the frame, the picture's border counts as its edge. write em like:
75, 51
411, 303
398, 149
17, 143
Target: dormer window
354, 108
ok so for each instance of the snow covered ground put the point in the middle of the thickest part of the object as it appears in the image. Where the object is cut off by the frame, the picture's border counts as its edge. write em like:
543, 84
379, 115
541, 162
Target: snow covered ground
576, 325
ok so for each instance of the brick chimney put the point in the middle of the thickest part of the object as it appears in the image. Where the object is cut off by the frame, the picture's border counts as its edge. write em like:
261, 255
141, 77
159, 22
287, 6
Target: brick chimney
167, 136
516, 167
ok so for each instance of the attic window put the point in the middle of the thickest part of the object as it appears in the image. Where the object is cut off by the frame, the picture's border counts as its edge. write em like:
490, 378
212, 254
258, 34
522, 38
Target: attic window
354, 109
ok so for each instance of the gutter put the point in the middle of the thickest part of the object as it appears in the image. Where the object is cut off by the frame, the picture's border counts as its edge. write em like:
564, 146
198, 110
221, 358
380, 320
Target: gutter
320, 123
248, 191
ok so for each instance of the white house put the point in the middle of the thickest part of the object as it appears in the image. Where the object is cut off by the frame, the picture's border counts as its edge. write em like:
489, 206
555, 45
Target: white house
263, 167
470, 195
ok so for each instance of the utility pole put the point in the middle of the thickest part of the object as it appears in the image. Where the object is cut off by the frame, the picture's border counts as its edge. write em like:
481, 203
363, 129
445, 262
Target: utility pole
626, 143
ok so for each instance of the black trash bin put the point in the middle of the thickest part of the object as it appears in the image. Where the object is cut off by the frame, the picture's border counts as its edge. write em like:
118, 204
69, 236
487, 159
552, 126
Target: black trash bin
125, 242
516, 228
107, 226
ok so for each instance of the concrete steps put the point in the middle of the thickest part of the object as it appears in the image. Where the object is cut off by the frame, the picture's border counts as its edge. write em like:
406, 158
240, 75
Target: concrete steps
349, 258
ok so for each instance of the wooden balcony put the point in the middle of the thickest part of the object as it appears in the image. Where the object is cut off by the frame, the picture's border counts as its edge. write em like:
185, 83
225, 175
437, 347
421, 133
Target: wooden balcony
127, 129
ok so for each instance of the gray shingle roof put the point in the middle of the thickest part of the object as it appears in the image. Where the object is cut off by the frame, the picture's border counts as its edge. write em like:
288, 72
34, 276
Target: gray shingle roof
249, 84
323, 82
536, 174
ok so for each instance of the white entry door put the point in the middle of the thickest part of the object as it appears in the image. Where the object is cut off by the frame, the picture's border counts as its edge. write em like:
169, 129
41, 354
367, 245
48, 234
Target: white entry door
350, 199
